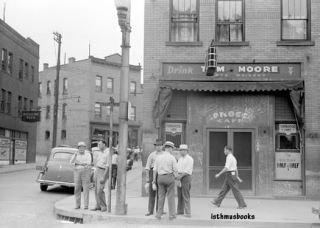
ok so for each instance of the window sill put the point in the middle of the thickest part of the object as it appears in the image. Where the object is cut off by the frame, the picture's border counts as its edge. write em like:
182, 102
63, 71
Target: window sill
296, 43
169, 43
235, 44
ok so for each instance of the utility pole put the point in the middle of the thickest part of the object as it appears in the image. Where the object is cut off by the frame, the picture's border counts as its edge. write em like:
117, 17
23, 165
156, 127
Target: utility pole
57, 38
110, 152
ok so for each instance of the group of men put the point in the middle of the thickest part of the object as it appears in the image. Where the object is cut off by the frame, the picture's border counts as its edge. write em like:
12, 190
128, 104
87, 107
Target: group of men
163, 171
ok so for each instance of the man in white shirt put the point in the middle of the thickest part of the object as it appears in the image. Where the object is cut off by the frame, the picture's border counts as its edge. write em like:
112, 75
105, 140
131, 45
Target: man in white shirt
153, 196
165, 167
185, 167
231, 180
82, 171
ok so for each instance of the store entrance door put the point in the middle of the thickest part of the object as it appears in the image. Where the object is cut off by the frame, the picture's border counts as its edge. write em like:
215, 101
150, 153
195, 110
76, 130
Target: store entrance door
241, 141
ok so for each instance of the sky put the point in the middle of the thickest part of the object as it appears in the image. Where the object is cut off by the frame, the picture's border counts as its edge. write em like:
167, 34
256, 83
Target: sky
80, 22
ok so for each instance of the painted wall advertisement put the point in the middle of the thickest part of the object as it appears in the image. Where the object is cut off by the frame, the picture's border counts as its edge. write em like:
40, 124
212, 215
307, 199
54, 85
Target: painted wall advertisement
21, 150
5, 145
288, 166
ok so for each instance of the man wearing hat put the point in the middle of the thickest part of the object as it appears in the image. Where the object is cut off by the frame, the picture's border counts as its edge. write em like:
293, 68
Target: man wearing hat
185, 167
165, 167
82, 172
149, 177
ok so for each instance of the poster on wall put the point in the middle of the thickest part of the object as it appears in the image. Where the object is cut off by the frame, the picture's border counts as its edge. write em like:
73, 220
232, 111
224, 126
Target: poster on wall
288, 166
5, 145
20, 150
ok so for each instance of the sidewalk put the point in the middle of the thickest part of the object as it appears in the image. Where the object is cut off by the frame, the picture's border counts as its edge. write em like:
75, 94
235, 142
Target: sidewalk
271, 211
16, 168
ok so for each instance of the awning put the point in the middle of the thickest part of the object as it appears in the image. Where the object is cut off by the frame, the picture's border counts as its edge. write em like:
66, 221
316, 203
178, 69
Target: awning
233, 86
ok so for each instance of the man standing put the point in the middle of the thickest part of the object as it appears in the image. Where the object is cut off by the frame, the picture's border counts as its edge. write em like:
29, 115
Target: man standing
82, 171
165, 167
100, 176
153, 196
231, 180
185, 167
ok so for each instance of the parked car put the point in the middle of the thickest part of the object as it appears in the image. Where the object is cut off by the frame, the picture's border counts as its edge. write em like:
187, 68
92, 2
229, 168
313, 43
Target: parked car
57, 170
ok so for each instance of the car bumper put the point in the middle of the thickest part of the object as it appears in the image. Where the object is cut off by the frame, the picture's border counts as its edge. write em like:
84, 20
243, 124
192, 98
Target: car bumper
51, 182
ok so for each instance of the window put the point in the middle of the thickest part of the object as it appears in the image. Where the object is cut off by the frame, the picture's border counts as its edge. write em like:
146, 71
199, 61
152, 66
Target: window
109, 85
10, 63
108, 110
4, 59
48, 112
63, 134
230, 21
287, 142
31, 105
132, 114
64, 113
20, 69
184, 26
19, 105
98, 84
295, 23
39, 89
26, 70
9, 100
3, 100
62, 156
65, 86
48, 87
32, 73
47, 135
97, 109
25, 104
133, 87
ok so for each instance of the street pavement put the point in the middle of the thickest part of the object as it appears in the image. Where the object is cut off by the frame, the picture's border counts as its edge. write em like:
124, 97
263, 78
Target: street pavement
266, 212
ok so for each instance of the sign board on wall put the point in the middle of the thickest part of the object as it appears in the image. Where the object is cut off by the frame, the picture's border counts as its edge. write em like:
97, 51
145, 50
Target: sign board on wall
5, 145
173, 128
288, 166
287, 128
233, 71
21, 150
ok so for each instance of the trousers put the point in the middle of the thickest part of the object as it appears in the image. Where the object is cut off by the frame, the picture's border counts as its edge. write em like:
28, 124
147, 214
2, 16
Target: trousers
99, 189
82, 180
166, 185
184, 196
230, 182
114, 176
153, 196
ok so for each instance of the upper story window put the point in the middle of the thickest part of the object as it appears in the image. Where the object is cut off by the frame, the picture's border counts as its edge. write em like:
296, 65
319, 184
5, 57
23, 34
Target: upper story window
31, 105
97, 109
108, 110
26, 70
64, 111
39, 89
133, 87
230, 21
9, 100
20, 69
25, 104
109, 85
295, 20
48, 112
3, 100
32, 73
10, 63
65, 86
132, 115
19, 105
98, 83
48, 87
4, 59
184, 22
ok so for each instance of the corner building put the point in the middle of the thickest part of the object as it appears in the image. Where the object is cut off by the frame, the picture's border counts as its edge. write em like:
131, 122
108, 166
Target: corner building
262, 101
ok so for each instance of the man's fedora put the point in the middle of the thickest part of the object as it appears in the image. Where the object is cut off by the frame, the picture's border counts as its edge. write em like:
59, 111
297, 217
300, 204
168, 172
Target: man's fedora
168, 143
183, 147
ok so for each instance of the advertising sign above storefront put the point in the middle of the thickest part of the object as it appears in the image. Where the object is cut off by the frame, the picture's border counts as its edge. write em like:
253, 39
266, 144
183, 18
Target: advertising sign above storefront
31, 116
288, 166
233, 71
287, 129
173, 127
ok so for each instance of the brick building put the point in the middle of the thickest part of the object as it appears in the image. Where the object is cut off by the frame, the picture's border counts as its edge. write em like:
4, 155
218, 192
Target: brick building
84, 86
18, 85
262, 101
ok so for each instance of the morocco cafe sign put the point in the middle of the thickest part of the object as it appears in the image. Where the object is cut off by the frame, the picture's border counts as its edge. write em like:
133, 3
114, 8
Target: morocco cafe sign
232, 71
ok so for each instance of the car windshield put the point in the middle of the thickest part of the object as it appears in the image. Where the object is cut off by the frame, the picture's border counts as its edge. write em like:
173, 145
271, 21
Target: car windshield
62, 156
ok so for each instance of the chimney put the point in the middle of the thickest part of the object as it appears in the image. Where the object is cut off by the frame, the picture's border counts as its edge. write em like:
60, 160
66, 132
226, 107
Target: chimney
71, 60
45, 66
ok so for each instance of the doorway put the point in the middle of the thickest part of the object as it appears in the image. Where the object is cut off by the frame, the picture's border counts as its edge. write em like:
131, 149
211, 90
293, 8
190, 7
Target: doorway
241, 142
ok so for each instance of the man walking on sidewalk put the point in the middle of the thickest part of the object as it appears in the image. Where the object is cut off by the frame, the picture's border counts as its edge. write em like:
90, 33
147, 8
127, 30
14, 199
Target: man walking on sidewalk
231, 180
166, 168
185, 167
100, 177
153, 196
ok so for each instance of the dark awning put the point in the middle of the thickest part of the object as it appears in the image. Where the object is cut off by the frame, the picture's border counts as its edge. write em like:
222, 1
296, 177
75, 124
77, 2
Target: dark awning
233, 86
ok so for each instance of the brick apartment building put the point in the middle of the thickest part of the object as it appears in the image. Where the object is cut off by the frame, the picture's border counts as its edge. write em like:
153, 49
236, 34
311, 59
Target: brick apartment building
84, 86
262, 101
18, 85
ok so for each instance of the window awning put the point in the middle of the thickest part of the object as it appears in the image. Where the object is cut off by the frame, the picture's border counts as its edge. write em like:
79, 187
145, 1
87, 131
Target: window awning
233, 86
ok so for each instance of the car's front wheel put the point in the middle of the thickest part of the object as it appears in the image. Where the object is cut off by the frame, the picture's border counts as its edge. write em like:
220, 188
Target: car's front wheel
43, 187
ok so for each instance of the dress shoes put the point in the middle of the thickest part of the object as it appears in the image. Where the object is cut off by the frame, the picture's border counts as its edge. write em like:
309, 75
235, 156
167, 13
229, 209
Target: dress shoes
214, 203
95, 209
77, 208
103, 209
148, 214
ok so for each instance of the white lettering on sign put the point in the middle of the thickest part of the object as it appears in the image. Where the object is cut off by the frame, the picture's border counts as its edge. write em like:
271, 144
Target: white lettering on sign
258, 69
179, 70
288, 166
287, 129
232, 116
173, 127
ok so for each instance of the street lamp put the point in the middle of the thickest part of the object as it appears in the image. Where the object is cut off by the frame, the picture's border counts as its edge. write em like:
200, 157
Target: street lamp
123, 9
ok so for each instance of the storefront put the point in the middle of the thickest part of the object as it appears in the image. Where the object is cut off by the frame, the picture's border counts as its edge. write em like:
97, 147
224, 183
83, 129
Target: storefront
255, 108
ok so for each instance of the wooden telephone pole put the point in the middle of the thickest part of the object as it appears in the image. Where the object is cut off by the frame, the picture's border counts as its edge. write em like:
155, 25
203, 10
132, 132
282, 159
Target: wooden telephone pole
57, 38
